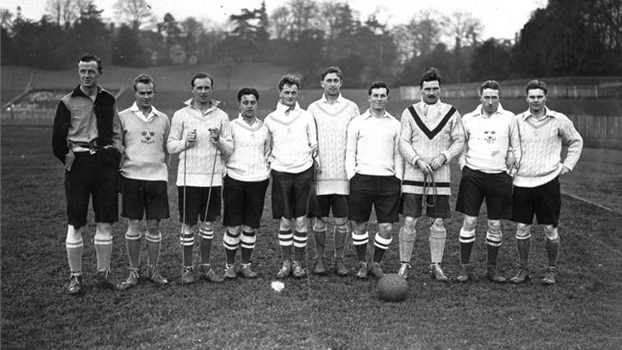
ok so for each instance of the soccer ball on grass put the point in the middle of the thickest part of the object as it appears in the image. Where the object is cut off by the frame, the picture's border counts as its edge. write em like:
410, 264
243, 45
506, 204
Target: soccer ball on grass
392, 287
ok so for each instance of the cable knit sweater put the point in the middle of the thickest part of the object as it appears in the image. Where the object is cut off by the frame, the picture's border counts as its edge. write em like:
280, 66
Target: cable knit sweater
332, 121
488, 139
247, 159
196, 160
294, 139
541, 143
428, 131
144, 151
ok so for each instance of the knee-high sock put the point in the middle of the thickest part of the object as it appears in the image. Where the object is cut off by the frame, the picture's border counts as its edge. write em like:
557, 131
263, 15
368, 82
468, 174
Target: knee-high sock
231, 242
523, 244
300, 243
132, 243
247, 244
437, 244
341, 234
552, 250
320, 242
493, 243
187, 245
207, 235
286, 240
467, 239
381, 245
154, 241
407, 243
75, 248
103, 250
360, 240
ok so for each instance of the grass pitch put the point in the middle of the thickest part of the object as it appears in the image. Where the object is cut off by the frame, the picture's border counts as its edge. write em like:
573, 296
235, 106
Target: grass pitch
583, 311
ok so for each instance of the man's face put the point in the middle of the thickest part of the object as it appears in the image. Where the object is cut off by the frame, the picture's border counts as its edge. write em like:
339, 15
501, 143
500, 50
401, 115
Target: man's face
88, 73
248, 106
144, 95
331, 84
378, 99
536, 98
288, 95
430, 90
490, 101
202, 90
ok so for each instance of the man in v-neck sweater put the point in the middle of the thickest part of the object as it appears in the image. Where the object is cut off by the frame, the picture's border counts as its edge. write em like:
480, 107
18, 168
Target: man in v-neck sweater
294, 147
431, 136
536, 183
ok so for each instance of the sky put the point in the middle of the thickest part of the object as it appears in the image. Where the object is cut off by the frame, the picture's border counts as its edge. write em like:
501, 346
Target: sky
501, 19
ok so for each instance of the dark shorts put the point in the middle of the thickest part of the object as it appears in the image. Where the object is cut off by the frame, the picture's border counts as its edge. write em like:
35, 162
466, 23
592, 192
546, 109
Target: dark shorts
338, 203
243, 202
196, 197
141, 197
412, 205
95, 175
291, 193
543, 201
476, 185
383, 192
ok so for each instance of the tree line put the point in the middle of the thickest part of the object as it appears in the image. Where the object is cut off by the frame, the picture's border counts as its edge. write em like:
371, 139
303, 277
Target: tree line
567, 37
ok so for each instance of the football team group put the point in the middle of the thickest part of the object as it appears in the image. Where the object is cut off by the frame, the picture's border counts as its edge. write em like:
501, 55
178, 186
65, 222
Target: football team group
329, 166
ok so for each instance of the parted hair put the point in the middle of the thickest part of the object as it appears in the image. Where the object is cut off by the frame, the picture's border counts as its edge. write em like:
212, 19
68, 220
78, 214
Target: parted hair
90, 57
536, 84
431, 74
378, 85
248, 91
289, 79
202, 76
489, 84
331, 69
145, 79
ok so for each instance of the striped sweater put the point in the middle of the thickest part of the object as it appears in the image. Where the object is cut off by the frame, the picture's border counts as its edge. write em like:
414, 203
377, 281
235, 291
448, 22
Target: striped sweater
196, 160
144, 151
428, 131
332, 121
247, 159
541, 143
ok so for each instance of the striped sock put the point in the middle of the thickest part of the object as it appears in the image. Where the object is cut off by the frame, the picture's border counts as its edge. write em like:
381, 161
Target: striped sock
360, 240
381, 245
154, 241
247, 245
74, 254
103, 250
286, 240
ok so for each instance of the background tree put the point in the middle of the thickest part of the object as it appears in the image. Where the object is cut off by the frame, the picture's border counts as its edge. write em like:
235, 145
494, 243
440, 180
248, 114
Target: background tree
133, 12
65, 12
127, 50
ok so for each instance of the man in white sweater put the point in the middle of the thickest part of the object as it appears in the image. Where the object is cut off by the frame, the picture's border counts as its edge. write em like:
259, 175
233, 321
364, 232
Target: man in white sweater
294, 147
492, 145
144, 178
332, 115
536, 183
246, 182
199, 133
431, 136
374, 167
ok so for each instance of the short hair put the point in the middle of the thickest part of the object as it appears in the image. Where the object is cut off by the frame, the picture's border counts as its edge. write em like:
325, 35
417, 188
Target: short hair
90, 57
378, 85
145, 79
202, 76
289, 79
248, 91
489, 84
332, 69
431, 74
536, 84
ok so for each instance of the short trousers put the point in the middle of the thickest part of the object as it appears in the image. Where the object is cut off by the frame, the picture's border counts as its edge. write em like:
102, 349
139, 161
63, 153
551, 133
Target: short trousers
196, 198
144, 198
412, 205
243, 202
476, 185
543, 201
338, 203
95, 175
291, 193
381, 192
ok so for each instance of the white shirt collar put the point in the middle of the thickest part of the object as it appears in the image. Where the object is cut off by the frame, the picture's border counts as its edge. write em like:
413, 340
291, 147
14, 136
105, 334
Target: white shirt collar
154, 112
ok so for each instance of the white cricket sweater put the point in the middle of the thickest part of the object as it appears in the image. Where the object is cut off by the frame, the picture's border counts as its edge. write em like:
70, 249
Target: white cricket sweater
428, 133
248, 159
332, 121
144, 154
488, 139
196, 160
294, 138
541, 143
373, 146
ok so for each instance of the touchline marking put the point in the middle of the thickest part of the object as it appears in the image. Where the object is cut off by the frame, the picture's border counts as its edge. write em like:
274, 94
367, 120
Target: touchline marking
590, 202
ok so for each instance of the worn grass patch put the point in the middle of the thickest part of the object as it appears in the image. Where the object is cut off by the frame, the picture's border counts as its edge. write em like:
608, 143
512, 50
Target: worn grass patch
584, 311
